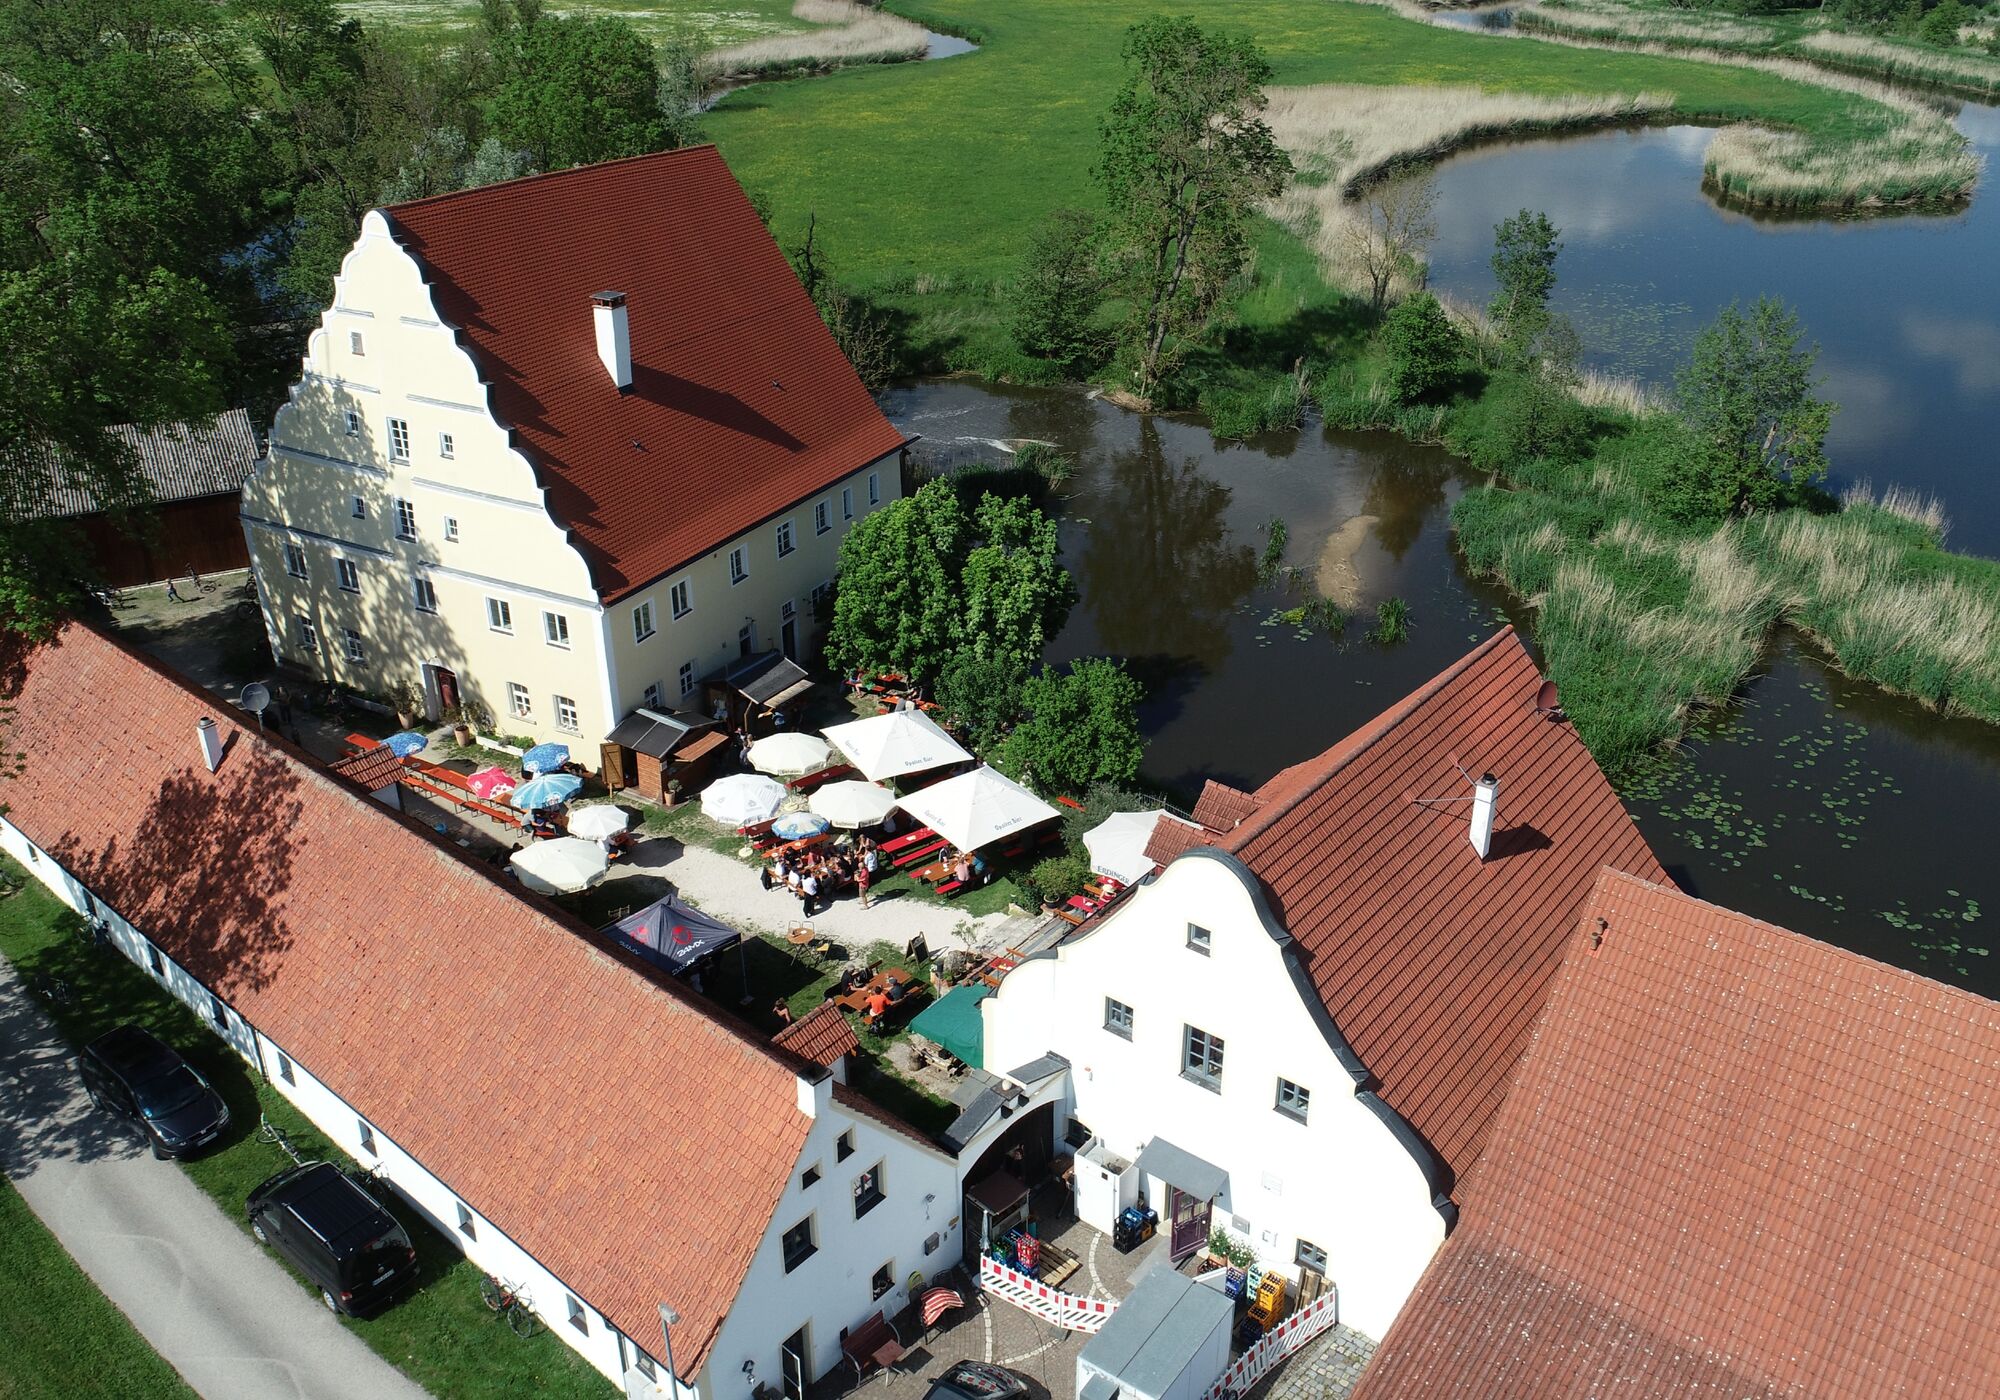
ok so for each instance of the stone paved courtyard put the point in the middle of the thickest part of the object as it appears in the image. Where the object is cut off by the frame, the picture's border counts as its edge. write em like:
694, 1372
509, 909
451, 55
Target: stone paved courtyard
1326, 1368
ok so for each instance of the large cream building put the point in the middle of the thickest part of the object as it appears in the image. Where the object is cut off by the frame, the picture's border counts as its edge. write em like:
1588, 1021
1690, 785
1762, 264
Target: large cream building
562, 447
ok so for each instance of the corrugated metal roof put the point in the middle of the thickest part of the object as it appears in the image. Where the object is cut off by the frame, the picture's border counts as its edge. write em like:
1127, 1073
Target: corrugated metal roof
181, 461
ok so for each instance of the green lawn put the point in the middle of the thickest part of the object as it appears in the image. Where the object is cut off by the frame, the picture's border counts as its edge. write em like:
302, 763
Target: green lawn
60, 1337
440, 1334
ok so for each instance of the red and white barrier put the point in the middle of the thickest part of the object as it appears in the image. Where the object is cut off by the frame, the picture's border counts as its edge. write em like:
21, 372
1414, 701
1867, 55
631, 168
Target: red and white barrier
1278, 1343
1030, 1294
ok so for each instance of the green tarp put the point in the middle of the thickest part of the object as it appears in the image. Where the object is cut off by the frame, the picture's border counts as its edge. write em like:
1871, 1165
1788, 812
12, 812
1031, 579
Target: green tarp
953, 1022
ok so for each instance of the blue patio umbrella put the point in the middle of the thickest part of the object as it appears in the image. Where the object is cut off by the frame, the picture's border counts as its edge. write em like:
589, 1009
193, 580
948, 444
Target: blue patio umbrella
404, 744
545, 758
546, 791
797, 825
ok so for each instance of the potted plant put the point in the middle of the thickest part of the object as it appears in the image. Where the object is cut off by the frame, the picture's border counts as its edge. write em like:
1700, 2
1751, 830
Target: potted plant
408, 698
673, 792
465, 719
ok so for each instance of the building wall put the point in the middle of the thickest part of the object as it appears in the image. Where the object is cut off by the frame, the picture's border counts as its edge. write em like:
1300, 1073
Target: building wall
483, 531
831, 1290
203, 534
1340, 1179
708, 635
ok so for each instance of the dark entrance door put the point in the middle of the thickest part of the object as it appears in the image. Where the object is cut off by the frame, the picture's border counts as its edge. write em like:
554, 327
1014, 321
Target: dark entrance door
792, 1360
788, 634
1190, 1223
447, 684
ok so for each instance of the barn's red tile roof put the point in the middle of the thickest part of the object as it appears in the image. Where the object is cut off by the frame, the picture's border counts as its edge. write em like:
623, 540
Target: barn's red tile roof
822, 1035
741, 404
1735, 1163
482, 1031
1432, 963
371, 770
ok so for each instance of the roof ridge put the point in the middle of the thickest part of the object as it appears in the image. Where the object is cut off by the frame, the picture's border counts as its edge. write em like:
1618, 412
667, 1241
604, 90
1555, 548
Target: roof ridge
1383, 724
468, 195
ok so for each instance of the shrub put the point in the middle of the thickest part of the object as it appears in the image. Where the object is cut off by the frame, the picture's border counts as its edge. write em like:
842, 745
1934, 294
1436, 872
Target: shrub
1102, 800
1423, 347
1082, 728
1392, 621
1053, 466
1055, 301
1057, 878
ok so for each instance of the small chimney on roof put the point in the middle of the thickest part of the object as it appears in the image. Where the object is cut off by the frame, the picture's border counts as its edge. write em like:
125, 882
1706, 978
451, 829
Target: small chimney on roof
614, 336
1485, 793
211, 742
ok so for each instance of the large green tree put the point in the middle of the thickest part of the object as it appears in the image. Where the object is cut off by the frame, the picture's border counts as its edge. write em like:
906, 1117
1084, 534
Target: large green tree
1017, 593
981, 697
1747, 398
1424, 348
1185, 160
1082, 728
1524, 275
577, 89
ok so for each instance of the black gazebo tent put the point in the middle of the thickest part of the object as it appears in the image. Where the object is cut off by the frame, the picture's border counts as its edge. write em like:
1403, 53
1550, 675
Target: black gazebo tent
674, 936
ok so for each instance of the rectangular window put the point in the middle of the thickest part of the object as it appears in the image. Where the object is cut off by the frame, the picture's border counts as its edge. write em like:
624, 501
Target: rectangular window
821, 519
642, 621
883, 1280
219, 1012
353, 423
355, 344
1311, 1256
566, 719
847, 503
651, 699
295, 560
737, 573
349, 575
367, 1138
399, 440
645, 1365
465, 1225
350, 644
874, 489
285, 1069
499, 614
577, 1317
1199, 939
307, 634
1117, 1017
786, 543
843, 1146
152, 958
799, 1245
406, 519
1293, 1099
679, 596
810, 1177
357, 507
555, 629
519, 701
445, 446
1201, 1058
687, 678
451, 529
425, 595
867, 1191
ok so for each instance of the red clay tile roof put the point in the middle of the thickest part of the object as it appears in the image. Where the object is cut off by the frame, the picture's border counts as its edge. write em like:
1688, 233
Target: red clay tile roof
1735, 1163
483, 1032
1220, 806
371, 770
740, 400
822, 1035
1171, 836
1432, 963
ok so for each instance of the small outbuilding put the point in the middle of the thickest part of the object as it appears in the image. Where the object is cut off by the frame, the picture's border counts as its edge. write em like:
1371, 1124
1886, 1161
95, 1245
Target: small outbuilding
1169, 1340
653, 748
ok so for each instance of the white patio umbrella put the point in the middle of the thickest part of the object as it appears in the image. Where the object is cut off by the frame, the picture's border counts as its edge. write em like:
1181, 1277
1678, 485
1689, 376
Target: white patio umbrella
902, 741
562, 866
789, 753
852, 804
742, 799
978, 808
1117, 845
596, 823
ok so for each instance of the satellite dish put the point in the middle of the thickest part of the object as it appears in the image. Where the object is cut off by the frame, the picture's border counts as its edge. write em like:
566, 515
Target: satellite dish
1547, 701
256, 698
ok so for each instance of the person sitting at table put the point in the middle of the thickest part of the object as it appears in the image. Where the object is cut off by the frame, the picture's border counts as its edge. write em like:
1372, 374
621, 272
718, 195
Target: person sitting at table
782, 1012
878, 1007
961, 869
898, 989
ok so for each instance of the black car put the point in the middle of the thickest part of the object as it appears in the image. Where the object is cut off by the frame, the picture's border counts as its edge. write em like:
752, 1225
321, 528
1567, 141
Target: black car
975, 1380
133, 1074
327, 1225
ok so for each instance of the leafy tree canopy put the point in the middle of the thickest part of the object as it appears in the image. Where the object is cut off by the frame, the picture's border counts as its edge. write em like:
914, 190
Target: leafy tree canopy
1524, 272
981, 697
575, 90
1747, 397
1082, 728
1057, 296
1424, 348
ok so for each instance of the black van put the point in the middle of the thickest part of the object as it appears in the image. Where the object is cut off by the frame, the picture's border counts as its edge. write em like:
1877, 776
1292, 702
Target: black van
135, 1076
330, 1229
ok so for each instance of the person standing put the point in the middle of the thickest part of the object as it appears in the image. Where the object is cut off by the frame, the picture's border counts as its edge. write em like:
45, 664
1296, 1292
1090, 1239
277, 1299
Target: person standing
861, 878
808, 892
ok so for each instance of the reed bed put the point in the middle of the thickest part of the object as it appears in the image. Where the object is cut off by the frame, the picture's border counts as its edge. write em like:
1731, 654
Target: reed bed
1595, 19
849, 33
1907, 63
1911, 159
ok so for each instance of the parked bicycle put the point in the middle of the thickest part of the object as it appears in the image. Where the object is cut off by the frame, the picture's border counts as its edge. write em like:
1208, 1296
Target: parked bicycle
511, 1302
270, 1132
52, 989
246, 602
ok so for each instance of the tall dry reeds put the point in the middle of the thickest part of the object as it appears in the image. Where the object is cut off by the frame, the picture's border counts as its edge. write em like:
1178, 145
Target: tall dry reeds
851, 33
1966, 70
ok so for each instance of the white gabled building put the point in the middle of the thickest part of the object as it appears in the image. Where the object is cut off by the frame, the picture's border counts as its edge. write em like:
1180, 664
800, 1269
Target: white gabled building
1300, 1029
576, 1122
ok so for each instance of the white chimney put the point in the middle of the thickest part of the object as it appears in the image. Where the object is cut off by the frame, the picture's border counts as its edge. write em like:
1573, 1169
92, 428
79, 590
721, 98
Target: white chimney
1485, 793
614, 336
211, 742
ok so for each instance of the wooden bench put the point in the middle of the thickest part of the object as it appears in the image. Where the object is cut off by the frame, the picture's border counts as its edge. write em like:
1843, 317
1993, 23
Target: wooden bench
874, 1343
807, 782
361, 743
916, 855
908, 838
453, 788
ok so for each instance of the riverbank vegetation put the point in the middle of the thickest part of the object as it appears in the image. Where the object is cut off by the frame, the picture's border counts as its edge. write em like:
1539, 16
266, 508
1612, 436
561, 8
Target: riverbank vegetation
842, 33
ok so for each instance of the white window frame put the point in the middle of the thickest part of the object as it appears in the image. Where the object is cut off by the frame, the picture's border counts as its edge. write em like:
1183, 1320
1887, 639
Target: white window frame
1200, 940
305, 634
555, 629
1299, 1107
847, 503
351, 646
447, 446
353, 423
687, 679
874, 488
788, 538
406, 518
1118, 1018
1308, 1255
568, 717
643, 628
738, 568
356, 345
285, 1071
499, 616
451, 529
520, 703
357, 506
822, 518
399, 439
653, 699
348, 574
680, 600
423, 594
295, 560
467, 1226
1202, 1057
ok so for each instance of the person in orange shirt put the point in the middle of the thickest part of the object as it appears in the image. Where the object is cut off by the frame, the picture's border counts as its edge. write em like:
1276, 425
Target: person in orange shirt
878, 1007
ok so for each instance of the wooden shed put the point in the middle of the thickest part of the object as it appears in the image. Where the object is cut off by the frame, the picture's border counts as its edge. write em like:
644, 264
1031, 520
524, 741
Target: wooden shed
651, 748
